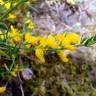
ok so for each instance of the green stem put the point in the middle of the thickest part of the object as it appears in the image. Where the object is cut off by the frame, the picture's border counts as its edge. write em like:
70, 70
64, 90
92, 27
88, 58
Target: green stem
13, 63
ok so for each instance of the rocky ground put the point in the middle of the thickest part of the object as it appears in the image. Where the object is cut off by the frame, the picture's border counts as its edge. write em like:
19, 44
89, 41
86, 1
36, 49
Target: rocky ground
59, 17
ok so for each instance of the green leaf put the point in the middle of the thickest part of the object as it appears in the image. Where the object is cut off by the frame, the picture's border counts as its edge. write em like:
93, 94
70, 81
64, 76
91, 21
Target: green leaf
83, 40
88, 41
2, 11
94, 38
2, 53
3, 26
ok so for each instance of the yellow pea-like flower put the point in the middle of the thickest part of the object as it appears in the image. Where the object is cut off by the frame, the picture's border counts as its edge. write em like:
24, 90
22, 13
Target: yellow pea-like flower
70, 47
67, 45
14, 35
13, 32
40, 54
13, 29
30, 23
12, 16
13, 73
17, 39
62, 55
69, 40
31, 39
74, 38
7, 5
28, 37
52, 42
60, 37
34, 40
1, 2
43, 41
28, 45
2, 89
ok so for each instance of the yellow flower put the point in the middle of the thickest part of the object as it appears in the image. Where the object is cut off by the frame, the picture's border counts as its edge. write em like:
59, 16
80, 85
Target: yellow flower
40, 54
67, 44
17, 39
27, 45
52, 42
74, 38
16, 70
13, 29
14, 35
12, 16
2, 89
31, 24
27, 40
31, 39
8, 5
28, 37
70, 47
62, 55
34, 40
1, 2
43, 41
69, 40
59, 37
14, 74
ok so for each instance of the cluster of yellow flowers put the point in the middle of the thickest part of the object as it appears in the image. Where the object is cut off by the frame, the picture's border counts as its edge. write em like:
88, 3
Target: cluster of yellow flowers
63, 42
14, 35
8, 3
41, 44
